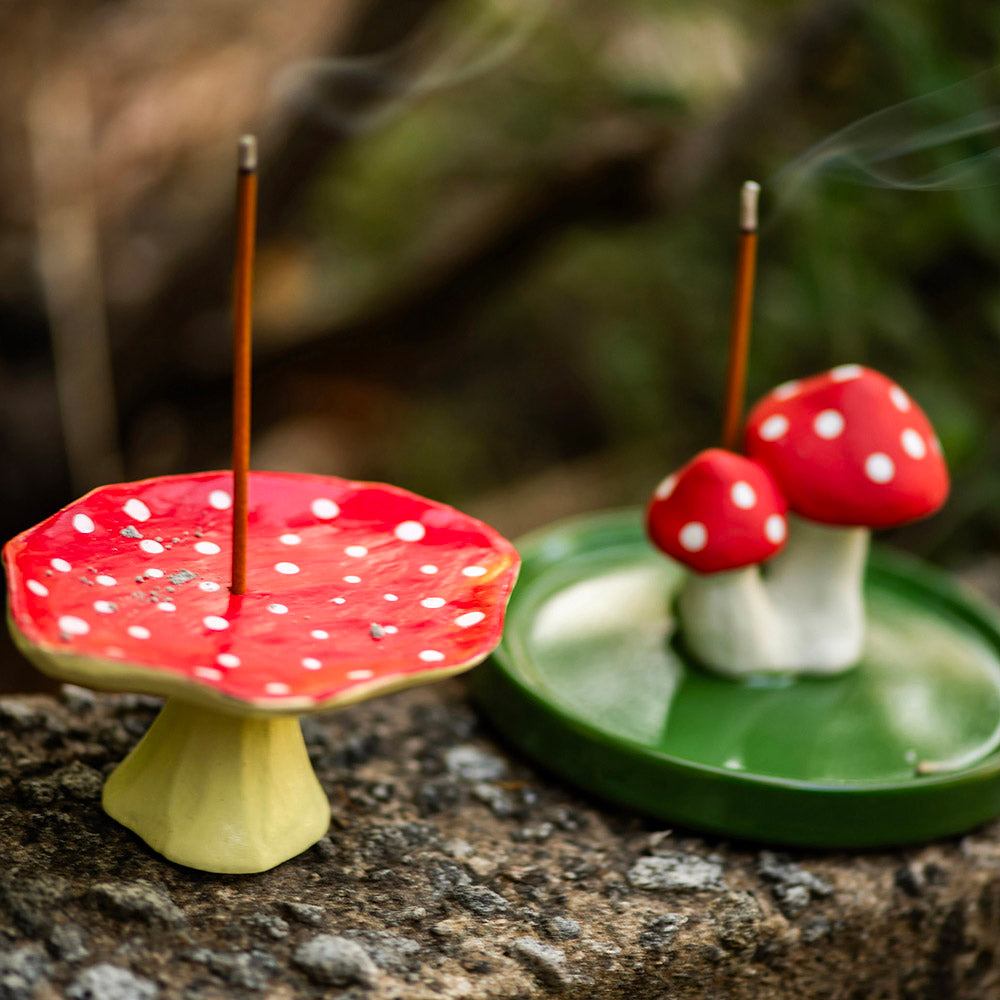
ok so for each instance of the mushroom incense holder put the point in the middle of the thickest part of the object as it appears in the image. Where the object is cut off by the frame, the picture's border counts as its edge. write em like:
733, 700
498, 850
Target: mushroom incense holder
353, 590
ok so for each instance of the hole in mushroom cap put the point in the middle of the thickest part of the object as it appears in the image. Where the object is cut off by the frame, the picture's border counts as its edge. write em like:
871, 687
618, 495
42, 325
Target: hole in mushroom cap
913, 443
829, 424
220, 500
774, 427
743, 495
325, 509
879, 467
83, 524
899, 399
844, 373
693, 536
775, 529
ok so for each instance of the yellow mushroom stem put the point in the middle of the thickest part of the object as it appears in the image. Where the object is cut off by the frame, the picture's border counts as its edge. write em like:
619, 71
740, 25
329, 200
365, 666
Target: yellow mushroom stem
220, 792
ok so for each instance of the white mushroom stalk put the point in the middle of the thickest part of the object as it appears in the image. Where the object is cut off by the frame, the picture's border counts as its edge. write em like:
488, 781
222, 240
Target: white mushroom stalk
850, 451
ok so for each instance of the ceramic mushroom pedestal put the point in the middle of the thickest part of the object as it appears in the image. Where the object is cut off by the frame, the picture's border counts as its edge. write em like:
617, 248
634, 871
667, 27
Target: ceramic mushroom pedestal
353, 590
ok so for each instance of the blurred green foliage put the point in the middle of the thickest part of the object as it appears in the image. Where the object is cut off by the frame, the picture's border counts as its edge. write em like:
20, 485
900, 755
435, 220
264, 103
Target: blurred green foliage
613, 336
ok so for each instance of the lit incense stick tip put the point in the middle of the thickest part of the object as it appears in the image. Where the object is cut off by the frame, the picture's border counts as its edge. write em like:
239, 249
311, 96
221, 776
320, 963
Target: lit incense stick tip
248, 153
749, 194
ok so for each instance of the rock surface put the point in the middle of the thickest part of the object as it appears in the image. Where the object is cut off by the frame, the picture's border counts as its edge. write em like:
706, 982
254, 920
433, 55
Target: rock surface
454, 871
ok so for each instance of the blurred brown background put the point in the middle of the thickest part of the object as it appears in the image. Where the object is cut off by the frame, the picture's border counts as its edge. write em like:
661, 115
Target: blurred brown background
495, 242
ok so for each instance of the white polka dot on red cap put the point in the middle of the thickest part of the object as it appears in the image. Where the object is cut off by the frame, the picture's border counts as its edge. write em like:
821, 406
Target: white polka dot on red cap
208, 673
429, 569
215, 623
360, 675
410, 531
38, 589
743, 495
290, 539
350, 579
693, 536
209, 586
136, 509
913, 444
167, 606
106, 581
138, 631
311, 663
220, 500
879, 467
474, 571
277, 609
433, 602
104, 607
286, 568
390, 597
229, 660
320, 633
150, 545
154, 572
666, 487
774, 427
431, 655
83, 524
469, 619
355, 551
899, 399
786, 390
325, 509
207, 548
276, 687
71, 625
829, 424
844, 373
775, 529
60, 565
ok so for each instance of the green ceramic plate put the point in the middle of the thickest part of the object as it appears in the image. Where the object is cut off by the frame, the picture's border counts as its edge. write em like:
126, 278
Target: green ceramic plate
588, 682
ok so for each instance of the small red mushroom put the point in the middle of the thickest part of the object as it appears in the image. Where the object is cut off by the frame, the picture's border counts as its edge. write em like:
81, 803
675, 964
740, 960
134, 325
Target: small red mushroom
851, 451
719, 512
722, 515
353, 589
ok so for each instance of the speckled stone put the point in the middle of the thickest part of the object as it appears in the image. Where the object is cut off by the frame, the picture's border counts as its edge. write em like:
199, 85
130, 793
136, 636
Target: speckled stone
498, 883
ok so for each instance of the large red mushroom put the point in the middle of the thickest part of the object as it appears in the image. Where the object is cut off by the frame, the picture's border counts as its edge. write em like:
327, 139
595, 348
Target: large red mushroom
353, 589
851, 451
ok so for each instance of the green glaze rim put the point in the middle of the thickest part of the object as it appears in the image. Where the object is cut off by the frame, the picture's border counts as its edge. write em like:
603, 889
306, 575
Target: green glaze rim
735, 804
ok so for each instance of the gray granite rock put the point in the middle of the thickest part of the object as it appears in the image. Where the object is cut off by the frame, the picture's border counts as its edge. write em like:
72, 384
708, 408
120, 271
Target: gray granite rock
136, 900
330, 960
111, 982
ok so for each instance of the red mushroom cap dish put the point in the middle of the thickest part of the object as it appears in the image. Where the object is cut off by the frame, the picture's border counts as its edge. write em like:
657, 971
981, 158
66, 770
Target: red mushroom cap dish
721, 511
849, 447
353, 589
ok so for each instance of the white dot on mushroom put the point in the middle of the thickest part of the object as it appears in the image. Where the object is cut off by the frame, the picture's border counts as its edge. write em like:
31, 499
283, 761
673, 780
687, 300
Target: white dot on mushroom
290, 540
207, 548
276, 687
106, 581
913, 443
277, 609
208, 673
844, 373
286, 568
209, 586
325, 509
138, 631
355, 551
428, 569
320, 633
879, 467
775, 529
474, 571
829, 424
899, 399
311, 663
39, 589
349, 579
83, 524
104, 607
432, 602
743, 495
360, 675
151, 546
786, 390
228, 660
215, 623
693, 536
71, 625
666, 488
136, 509
155, 573
774, 427
469, 619
60, 565
167, 606
431, 656
410, 531
390, 597
220, 500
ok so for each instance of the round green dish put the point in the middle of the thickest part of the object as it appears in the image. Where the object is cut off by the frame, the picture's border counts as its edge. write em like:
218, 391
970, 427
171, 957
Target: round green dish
589, 682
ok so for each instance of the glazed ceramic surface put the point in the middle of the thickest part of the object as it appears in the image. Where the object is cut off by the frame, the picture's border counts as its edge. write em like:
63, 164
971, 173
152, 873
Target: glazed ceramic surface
591, 680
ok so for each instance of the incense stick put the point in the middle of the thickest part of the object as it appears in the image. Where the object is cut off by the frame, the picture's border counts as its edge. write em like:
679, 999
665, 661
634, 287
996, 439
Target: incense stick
246, 216
739, 342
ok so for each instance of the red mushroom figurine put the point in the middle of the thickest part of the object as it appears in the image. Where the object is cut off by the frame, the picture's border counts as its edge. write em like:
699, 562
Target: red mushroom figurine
722, 515
353, 589
851, 451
